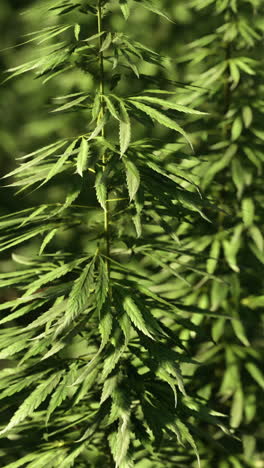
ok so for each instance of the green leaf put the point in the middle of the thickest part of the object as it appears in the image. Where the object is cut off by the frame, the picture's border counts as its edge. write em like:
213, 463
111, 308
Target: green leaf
99, 127
102, 285
231, 248
235, 73
82, 156
24, 237
126, 326
162, 119
61, 393
57, 272
106, 43
254, 158
239, 330
248, 211
185, 433
257, 237
55, 348
33, 401
124, 8
73, 193
124, 129
236, 129
218, 329
213, 256
253, 302
86, 384
101, 189
238, 176
135, 316
96, 107
51, 314
132, 177
111, 107
137, 223
77, 30
121, 442
78, 298
218, 294
219, 165
22, 311
94, 36
41, 459
168, 104
15, 347
70, 104
45, 152
242, 62
33, 215
108, 387
152, 5
105, 325
247, 116
68, 462
61, 161
111, 361
47, 239
255, 373
165, 376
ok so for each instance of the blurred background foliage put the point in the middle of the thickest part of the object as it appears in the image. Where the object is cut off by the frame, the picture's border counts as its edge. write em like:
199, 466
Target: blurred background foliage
231, 246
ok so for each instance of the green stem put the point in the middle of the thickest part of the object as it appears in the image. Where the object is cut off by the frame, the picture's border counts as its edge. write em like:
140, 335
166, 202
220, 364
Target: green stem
101, 114
101, 54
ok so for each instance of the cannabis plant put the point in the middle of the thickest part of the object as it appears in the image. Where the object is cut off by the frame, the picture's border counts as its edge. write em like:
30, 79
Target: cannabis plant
226, 64
93, 349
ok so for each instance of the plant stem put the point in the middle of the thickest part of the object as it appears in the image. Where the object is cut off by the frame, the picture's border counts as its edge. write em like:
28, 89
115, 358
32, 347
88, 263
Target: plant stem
101, 54
101, 114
